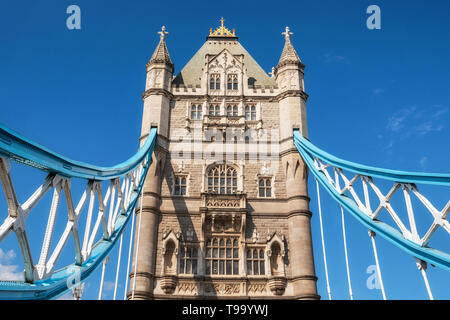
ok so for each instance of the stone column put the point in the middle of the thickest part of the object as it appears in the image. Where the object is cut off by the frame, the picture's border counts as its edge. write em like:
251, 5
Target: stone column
300, 250
146, 259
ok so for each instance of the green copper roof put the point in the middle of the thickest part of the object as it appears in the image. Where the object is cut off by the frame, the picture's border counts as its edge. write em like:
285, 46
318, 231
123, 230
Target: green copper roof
192, 71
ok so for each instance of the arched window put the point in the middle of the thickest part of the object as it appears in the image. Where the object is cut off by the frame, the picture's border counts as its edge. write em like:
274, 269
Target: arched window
214, 110
232, 83
214, 82
250, 113
232, 110
265, 187
255, 261
222, 179
196, 112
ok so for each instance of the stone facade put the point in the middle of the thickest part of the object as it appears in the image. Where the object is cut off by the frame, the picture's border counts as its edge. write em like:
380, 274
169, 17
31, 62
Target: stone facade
226, 209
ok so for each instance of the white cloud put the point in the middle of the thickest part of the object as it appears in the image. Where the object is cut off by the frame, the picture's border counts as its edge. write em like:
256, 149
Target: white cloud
333, 58
396, 122
7, 256
377, 91
108, 285
9, 272
423, 162
414, 121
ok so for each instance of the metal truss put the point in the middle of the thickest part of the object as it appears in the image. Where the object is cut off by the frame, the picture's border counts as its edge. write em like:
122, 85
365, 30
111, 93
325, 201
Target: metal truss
107, 214
339, 178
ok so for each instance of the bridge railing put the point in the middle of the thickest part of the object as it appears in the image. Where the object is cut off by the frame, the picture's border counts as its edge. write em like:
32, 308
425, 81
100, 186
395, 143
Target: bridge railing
359, 190
105, 211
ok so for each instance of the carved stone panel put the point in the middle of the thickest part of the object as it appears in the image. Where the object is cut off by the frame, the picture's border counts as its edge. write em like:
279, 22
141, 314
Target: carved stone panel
222, 288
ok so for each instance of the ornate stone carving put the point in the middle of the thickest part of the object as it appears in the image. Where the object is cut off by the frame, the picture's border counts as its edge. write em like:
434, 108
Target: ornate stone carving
169, 283
277, 285
223, 203
223, 223
188, 288
257, 288
233, 201
223, 288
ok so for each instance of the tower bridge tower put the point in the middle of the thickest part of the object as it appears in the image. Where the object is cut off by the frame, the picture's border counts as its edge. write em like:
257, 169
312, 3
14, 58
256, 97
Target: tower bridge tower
225, 204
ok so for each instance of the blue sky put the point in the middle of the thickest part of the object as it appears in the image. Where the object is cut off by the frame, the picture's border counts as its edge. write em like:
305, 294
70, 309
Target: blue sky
377, 97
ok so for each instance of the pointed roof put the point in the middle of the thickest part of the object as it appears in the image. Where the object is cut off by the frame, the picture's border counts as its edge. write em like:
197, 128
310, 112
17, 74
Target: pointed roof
161, 54
217, 41
289, 55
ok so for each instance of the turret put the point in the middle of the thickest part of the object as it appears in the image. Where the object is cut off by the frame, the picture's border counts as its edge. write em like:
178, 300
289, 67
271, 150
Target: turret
156, 98
289, 74
158, 89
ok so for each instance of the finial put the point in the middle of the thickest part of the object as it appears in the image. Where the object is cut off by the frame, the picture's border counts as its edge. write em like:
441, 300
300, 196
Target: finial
287, 33
163, 32
222, 31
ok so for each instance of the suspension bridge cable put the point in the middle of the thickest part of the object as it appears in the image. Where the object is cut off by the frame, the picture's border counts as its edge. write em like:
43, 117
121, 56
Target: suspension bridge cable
137, 246
372, 237
129, 258
323, 241
346, 255
422, 266
118, 265
100, 291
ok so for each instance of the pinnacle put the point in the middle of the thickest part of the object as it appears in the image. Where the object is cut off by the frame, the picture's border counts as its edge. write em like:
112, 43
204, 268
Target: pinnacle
289, 55
161, 54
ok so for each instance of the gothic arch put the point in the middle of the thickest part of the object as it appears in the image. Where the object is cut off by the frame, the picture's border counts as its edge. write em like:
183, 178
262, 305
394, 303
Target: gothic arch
223, 177
275, 252
170, 254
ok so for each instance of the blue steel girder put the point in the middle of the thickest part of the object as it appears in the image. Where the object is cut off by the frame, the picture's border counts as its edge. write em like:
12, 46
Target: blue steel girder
14, 146
310, 154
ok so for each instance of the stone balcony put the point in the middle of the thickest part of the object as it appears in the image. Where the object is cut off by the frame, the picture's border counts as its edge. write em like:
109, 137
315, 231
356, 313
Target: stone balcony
213, 201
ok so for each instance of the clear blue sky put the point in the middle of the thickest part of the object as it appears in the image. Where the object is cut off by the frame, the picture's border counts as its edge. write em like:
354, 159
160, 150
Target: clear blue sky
377, 97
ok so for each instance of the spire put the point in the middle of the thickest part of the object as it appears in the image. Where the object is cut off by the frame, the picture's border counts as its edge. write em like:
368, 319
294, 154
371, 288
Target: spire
289, 55
161, 54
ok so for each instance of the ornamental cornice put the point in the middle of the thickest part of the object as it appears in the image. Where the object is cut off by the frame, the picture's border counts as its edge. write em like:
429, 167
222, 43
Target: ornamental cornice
157, 92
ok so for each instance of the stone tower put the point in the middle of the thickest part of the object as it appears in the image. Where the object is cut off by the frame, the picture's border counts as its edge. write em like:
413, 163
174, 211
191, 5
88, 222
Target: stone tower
225, 204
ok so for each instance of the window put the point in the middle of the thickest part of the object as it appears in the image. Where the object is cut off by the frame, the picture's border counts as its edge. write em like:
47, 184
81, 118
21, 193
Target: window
232, 111
179, 186
214, 82
214, 110
222, 256
188, 260
196, 112
222, 179
265, 187
250, 113
255, 261
232, 83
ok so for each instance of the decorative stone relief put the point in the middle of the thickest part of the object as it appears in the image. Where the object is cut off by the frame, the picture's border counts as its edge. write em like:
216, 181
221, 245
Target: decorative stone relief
257, 288
223, 288
188, 288
223, 223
